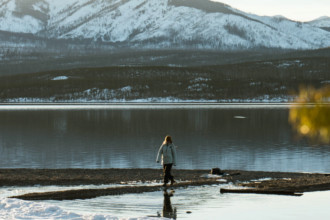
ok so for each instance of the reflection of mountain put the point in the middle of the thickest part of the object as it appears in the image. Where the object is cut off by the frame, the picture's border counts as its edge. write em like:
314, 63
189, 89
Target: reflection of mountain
153, 24
109, 139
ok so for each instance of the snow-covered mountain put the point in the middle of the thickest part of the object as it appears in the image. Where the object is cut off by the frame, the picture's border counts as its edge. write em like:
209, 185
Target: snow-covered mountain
202, 24
322, 22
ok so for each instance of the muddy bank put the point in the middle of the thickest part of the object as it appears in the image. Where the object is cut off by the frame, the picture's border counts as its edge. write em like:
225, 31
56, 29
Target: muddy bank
276, 181
71, 177
298, 184
285, 186
93, 193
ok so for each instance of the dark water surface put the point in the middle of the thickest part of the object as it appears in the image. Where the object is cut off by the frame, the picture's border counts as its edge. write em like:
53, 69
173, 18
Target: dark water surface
237, 137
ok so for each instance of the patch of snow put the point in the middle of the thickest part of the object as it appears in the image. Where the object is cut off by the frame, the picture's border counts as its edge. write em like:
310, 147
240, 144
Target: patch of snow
104, 96
239, 117
126, 89
174, 65
30, 100
268, 63
19, 209
167, 100
255, 84
261, 99
95, 94
262, 179
290, 63
284, 65
197, 87
208, 175
199, 79
60, 78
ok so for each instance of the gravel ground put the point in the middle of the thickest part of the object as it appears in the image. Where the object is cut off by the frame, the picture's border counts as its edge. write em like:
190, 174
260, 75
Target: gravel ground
276, 181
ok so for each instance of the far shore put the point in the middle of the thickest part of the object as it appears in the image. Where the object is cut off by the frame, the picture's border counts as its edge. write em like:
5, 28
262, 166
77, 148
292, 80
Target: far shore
259, 181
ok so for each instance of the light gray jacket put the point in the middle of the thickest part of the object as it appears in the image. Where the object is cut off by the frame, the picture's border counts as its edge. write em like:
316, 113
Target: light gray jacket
168, 154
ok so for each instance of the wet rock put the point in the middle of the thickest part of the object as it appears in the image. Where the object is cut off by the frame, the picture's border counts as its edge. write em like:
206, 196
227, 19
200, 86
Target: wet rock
216, 171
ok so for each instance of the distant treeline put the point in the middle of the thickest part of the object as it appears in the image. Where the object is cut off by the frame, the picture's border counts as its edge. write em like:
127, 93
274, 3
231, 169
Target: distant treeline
272, 79
53, 56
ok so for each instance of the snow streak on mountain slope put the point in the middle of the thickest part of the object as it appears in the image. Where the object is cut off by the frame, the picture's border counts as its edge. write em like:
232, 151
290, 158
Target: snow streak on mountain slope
158, 23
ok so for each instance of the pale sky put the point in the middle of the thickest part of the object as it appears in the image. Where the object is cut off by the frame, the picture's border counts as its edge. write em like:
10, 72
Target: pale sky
299, 10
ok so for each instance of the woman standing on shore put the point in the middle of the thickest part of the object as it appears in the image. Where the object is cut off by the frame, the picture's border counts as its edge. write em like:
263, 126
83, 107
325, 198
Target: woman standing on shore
168, 153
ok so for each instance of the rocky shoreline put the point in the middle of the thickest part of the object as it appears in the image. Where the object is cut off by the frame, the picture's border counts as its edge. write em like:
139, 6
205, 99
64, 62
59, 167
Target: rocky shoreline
258, 181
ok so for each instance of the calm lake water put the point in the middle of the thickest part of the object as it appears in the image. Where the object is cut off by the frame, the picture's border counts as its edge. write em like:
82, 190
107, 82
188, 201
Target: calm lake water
247, 137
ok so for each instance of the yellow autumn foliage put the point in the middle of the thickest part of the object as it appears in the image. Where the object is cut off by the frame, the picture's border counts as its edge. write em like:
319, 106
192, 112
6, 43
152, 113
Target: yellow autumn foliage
310, 114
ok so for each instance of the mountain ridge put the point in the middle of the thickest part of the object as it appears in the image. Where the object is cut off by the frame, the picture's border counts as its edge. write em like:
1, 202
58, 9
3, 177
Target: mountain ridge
198, 24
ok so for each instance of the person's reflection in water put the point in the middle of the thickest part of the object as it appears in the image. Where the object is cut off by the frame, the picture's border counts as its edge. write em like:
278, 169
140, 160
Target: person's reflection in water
168, 211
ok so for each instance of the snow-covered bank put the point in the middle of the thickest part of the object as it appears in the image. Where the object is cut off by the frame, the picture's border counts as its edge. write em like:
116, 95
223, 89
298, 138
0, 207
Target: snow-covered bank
265, 99
18, 209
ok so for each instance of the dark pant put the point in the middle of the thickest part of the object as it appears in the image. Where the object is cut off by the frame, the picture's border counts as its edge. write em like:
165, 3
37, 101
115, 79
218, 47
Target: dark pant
167, 172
